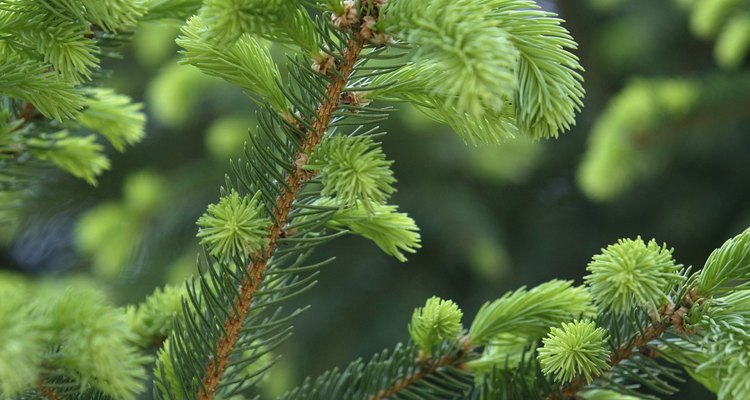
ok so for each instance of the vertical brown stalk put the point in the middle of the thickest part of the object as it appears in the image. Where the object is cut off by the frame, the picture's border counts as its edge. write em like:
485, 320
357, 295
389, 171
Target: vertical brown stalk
294, 182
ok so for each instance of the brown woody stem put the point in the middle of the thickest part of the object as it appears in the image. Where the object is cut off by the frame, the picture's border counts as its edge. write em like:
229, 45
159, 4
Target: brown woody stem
45, 391
294, 182
415, 377
668, 316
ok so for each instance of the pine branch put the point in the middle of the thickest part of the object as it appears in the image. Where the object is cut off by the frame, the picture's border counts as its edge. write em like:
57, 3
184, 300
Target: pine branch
294, 182
429, 369
46, 391
669, 316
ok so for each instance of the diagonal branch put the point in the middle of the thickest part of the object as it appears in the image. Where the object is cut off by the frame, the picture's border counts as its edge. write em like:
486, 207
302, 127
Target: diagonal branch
47, 392
669, 316
294, 182
415, 377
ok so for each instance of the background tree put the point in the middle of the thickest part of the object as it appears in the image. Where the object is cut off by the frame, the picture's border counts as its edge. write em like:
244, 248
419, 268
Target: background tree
482, 232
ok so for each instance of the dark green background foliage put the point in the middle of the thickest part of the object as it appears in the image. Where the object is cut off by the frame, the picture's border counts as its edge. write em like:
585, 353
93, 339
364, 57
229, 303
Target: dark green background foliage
492, 218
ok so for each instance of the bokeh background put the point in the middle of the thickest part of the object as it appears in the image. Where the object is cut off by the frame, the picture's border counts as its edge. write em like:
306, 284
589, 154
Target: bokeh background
492, 218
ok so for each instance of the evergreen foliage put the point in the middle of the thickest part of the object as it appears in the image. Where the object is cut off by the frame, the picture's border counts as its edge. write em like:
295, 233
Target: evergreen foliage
726, 20
582, 351
50, 56
437, 321
632, 273
629, 139
311, 171
233, 226
354, 170
576, 348
74, 337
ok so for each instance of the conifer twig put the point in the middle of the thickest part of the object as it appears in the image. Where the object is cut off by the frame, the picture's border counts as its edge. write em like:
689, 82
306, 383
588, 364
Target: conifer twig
294, 182
428, 367
669, 316
415, 377
48, 393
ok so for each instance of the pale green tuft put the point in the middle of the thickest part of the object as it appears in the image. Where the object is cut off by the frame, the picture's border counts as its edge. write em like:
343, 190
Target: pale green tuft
354, 170
472, 58
736, 385
152, 320
95, 344
437, 321
179, 10
604, 394
110, 15
577, 348
617, 153
229, 19
394, 232
550, 89
113, 15
729, 22
32, 81
504, 63
235, 226
412, 83
81, 156
733, 44
723, 354
632, 274
708, 16
22, 341
245, 63
504, 351
530, 313
728, 263
167, 381
115, 116
279, 20
67, 48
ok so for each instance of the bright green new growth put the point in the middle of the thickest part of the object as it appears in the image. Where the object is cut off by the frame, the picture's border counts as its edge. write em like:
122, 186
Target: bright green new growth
33, 82
455, 37
392, 231
81, 156
229, 19
109, 232
724, 352
234, 226
152, 320
278, 20
115, 116
575, 349
531, 312
168, 381
615, 155
245, 63
354, 170
640, 127
726, 20
68, 48
95, 341
438, 320
76, 337
178, 10
21, 342
111, 15
604, 394
492, 68
632, 274
728, 263
50, 52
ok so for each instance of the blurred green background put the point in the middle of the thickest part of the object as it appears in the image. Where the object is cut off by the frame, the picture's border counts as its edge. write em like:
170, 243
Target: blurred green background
492, 218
